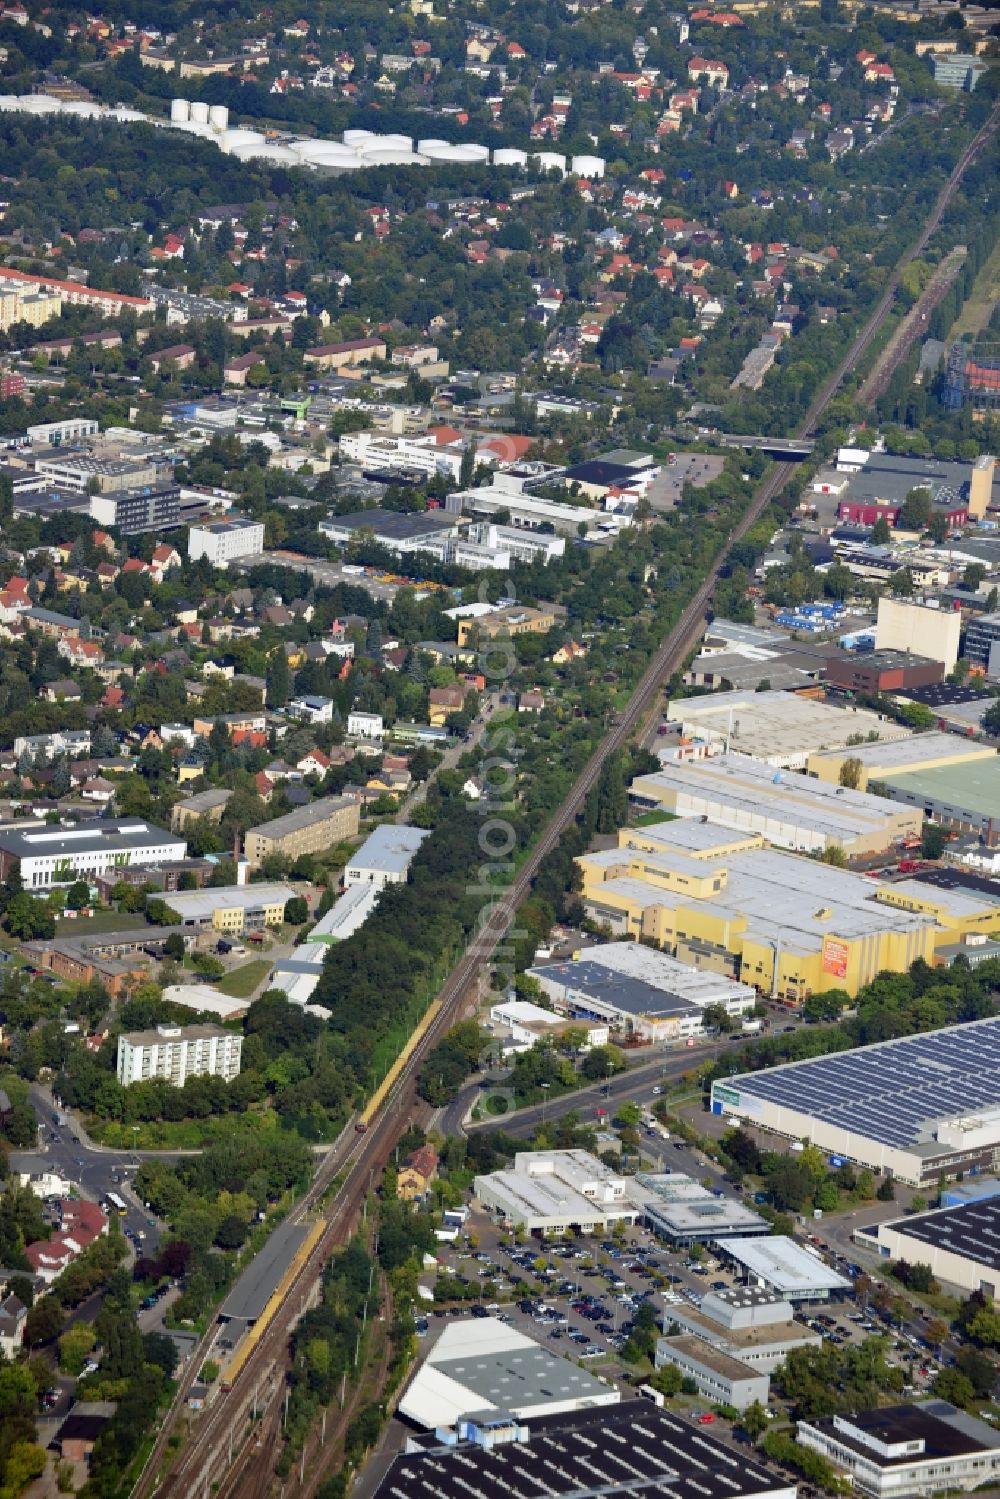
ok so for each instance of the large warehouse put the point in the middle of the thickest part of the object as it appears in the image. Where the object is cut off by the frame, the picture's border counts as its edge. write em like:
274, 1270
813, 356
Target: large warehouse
790, 811
756, 914
641, 991
891, 757
919, 1107
965, 797
960, 1245
778, 727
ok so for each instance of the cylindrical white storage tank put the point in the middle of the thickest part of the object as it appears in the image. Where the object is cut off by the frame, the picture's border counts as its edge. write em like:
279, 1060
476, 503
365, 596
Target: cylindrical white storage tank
199, 113
230, 139
358, 137
509, 156
589, 166
128, 116
218, 116
429, 146
9, 102
403, 142
443, 151
391, 156
326, 152
274, 155
550, 161
82, 108
180, 110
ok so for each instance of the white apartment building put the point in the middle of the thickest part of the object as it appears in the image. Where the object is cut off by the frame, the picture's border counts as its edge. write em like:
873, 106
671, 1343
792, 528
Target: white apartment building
385, 856
175, 1053
223, 540
365, 725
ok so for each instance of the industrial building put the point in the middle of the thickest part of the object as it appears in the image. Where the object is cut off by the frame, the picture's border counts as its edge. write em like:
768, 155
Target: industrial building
919, 1107
929, 1448
960, 1245
485, 1369
964, 796
174, 1054
554, 1191
918, 630
517, 1025
881, 671
205, 999
230, 908
640, 991
308, 830
917, 752
222, 541
779, 727
756, 914
385, 856
789, 811
784, 1267
748, 1323
346, 915
505, 496
46, 856
396, 530
618, 1451
518, 619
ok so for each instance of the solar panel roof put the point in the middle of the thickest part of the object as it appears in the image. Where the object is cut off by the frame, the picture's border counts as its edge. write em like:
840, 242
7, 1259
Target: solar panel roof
895, 1092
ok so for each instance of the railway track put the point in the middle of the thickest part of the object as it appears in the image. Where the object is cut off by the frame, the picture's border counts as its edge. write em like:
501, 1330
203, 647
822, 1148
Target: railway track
355, 1158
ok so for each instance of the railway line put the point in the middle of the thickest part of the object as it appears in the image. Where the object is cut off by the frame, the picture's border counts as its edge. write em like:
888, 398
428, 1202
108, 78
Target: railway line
223, 1448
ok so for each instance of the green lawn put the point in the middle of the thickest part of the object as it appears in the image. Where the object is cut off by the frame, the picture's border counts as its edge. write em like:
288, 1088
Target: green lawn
978, 309
101, 921
650, 819
242, 982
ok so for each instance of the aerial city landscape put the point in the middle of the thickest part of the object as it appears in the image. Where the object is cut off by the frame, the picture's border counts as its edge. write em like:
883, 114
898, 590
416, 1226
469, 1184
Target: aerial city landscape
499, 727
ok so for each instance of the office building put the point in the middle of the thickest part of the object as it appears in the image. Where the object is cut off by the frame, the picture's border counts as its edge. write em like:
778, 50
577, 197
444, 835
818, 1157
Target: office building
232, 909
907, 1449
397, 530
385, 856
174, 1054
518, 1025
783, 1267
918, 630
958, 70
918, 752
308, 830
981, 636
523, 512
683, 1212
618, 1452
756, 914
223, 541
156, 507
515, 620
83, 471
959, 1245
555, 1191
750, 1324
981, 486
920, 1107
778, 727
641, 992
47, 856
789, 811
209, 804
718, 1376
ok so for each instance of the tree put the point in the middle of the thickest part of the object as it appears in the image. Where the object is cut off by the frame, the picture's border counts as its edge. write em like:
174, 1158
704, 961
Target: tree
296, 911
851, 772
991, 719
886, 1190
881, 535
174, 947
74, 1346
44, 1322
78, 895
158, 1349
915, 511
279, 684
936, 1332
28, 919
754, 1421
932, 841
